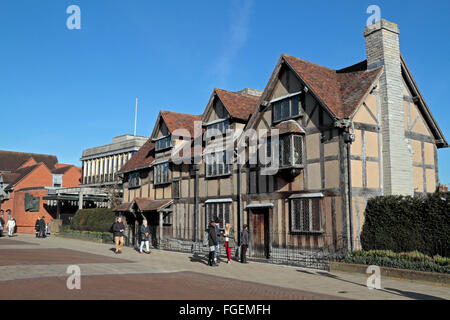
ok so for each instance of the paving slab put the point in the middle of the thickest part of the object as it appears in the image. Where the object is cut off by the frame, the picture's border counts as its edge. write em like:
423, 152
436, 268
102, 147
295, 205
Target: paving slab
51, 256
173, 286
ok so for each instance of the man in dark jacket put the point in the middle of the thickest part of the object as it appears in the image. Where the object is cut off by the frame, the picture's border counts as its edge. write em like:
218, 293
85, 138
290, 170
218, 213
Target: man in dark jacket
145, 236
118, 229
244, 243
212, 243
36, 227
42, 227
2, 225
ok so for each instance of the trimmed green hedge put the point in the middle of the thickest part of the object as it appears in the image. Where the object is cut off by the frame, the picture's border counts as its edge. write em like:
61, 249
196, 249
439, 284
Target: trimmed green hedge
90, 235
97, 219
404, 260
404, 224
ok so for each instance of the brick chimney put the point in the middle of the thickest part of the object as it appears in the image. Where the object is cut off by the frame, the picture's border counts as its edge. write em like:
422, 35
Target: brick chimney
382, 49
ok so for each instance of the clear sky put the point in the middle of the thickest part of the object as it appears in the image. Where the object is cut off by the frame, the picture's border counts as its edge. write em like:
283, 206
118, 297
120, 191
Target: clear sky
62, 91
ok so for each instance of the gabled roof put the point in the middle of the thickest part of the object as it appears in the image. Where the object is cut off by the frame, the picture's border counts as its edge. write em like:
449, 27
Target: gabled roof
239, 105
63, 169
341, 91
11, 179
144, 157
441, 142
10, 161
176, 120
143, 204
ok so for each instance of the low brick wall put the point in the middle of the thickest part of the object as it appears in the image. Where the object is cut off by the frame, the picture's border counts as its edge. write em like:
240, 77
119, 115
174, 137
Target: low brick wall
442, 279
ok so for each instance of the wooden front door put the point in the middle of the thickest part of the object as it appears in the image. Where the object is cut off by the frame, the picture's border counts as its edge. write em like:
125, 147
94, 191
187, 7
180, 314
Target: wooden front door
259, 233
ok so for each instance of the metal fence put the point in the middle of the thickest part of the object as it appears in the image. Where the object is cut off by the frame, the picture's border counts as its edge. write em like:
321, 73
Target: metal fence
313, 251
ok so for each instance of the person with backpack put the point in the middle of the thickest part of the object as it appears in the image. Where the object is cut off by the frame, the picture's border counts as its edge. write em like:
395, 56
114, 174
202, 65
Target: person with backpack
212, 243
145, 237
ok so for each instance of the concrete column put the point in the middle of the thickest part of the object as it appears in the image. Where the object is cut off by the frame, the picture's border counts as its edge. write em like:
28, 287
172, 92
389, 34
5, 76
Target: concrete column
80, 201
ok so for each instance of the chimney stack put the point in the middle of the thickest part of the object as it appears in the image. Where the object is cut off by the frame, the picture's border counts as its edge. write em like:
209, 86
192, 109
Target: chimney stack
382, 49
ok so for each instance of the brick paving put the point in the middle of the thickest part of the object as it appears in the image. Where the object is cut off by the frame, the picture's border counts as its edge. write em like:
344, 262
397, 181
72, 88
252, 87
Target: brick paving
99, 265
173, 286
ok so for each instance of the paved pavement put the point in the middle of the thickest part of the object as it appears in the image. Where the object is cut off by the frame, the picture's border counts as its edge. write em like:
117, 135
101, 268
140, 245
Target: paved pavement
35, 263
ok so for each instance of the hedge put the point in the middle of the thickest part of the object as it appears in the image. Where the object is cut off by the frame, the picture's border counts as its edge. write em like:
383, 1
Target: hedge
404, 260
97, 219
404, 224
91, 235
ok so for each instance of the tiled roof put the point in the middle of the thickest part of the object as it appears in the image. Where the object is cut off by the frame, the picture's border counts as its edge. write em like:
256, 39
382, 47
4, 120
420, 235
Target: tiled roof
126, 206
142, 158
289, 126
10, 161
14, 177
146, 204
340, 90
62, 170
239, 105
175, 120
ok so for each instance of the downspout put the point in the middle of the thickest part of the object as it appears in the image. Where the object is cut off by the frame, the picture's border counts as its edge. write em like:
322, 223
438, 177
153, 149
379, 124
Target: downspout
349, 187
239, 198
195, 168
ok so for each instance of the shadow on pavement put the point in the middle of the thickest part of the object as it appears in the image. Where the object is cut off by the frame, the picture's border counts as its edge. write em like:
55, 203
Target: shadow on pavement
397, 292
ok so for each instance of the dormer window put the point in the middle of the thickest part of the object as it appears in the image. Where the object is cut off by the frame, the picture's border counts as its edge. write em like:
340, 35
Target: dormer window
163, 143
221, 125
286, 107
134, 180
57, 180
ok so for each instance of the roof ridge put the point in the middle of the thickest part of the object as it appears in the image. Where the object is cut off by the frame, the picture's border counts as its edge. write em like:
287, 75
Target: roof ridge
306, 61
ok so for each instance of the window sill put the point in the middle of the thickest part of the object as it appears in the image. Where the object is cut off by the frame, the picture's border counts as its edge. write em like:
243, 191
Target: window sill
162, 183
218, 176
135, 187
307, 233
286, 119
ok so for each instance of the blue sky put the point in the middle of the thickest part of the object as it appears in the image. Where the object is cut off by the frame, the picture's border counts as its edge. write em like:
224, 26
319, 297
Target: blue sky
62, 91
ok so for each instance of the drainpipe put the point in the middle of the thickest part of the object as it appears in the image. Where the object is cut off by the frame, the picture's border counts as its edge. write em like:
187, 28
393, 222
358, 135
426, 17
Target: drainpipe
239, 192
195, 168
349, 141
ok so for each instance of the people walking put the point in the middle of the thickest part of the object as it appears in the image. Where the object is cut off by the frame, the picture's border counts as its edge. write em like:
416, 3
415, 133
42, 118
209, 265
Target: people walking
212, 243
10, 225
229, 241
145, 237
217, 228
37, 227
42, 227
118, 229
244, 243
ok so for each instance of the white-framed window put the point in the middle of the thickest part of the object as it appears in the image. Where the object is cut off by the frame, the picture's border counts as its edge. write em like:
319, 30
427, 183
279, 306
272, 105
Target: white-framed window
163, 143
291, 150
216, 164
221, 210
57, 180
161, 173
134, 180
305, 215
221, 126
286, 108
